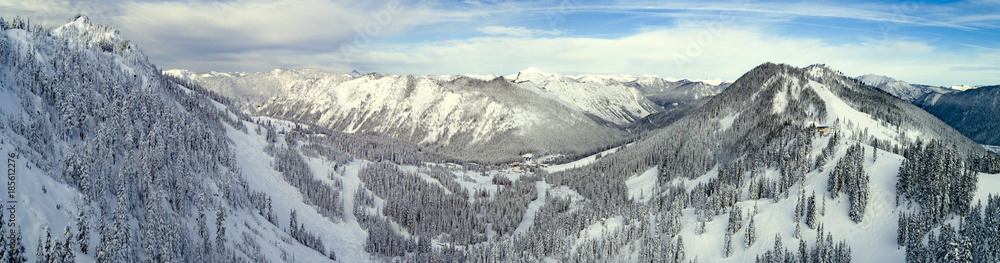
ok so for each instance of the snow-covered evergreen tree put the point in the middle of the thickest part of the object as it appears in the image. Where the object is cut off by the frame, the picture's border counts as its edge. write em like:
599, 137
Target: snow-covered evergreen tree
67, 254
751, 234
82, 231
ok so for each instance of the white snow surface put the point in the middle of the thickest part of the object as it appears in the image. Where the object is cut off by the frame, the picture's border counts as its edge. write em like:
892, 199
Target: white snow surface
529, 216
579, 162
727, 122
640, 188
964, 87
989, 184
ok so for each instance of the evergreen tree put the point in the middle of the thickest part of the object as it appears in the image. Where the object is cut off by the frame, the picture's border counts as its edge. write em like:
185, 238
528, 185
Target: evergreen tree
81, 230
4, 245
220, 235
798, 230
822, 211
105, 246
293, 224
203, 234
67, 251
119, 245
680, 250
40, 252
17, 252
56, 255
803, 251
47, 249
735, 220
751, 234
811, 211
778, 249
728, 243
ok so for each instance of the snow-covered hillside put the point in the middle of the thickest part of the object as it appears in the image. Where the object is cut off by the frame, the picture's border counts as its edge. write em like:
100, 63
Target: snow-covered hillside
752, 150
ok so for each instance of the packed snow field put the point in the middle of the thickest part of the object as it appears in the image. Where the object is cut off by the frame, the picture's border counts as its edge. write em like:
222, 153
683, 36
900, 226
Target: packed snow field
114, 160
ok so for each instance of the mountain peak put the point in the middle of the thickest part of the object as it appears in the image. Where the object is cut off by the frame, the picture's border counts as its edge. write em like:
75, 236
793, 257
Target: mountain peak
531, 70
532, 74
876, 80
963, 87
79, 18
824, 95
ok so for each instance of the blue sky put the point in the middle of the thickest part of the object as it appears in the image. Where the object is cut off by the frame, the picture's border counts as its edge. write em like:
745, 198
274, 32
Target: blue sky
929, 42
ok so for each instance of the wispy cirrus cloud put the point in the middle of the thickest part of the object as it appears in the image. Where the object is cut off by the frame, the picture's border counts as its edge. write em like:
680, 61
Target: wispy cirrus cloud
657, 52
515, 31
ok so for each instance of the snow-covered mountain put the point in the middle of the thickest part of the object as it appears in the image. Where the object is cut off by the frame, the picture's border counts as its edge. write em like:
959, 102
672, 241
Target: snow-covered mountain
527, 112
96, 138
972, 112
902, 89
666, 92
752, 154
492, 120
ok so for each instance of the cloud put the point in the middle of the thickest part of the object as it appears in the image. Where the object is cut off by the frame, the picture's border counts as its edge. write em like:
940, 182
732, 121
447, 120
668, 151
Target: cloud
176, 33
236, 27
683, 52
515, 31
676, 38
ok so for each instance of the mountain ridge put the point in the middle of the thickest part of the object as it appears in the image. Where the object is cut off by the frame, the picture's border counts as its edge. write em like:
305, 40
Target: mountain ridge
588, 110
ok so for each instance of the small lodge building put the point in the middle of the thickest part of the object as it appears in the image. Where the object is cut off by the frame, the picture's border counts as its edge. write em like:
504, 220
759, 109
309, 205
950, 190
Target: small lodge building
823, 130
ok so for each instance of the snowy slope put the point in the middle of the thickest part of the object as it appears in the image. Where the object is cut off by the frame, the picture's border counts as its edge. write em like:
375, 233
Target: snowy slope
874, 239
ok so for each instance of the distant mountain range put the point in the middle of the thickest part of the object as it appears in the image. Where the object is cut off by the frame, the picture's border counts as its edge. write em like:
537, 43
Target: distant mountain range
464, 115
972, 110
